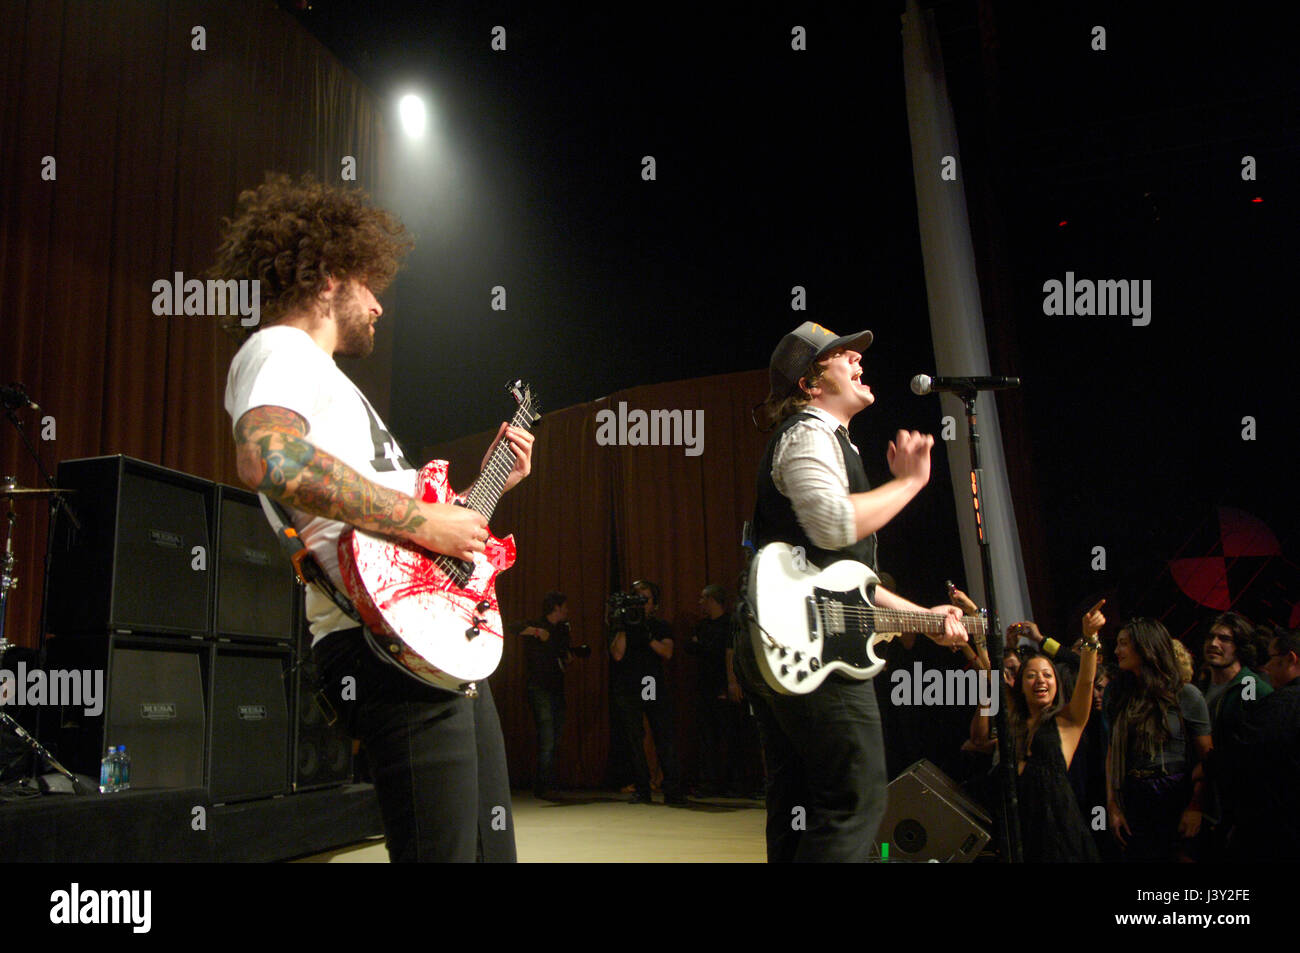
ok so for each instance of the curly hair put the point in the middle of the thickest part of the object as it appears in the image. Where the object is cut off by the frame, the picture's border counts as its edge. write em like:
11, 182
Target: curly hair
294, 236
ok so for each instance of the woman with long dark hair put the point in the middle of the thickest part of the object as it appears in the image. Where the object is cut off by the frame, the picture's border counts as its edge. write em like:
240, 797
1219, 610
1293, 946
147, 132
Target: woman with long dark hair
1047, 729
1160, 739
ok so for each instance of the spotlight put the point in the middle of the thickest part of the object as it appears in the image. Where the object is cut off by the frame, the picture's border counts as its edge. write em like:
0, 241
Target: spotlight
411, 111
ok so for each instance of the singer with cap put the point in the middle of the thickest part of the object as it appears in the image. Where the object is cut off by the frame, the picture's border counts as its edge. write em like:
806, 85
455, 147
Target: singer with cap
825, 750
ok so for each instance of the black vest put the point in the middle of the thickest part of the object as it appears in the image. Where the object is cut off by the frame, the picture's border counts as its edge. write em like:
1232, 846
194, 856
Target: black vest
774, 519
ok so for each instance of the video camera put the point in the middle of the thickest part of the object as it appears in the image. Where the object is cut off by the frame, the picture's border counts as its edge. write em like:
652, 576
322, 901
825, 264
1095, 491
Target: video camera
624, 609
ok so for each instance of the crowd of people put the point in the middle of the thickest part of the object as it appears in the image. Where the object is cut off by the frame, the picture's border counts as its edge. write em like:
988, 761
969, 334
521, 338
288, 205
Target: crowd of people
1139, 752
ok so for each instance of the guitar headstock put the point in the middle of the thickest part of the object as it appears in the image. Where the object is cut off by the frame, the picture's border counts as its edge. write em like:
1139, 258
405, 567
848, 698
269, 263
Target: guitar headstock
529, 405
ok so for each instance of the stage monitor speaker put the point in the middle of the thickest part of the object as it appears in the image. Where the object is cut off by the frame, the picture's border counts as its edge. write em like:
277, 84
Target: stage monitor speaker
256, 594
322, 752
250, 722
141, 560
153, 702
929, 819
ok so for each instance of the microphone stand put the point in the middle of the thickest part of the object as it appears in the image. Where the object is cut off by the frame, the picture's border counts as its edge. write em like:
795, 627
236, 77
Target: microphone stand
1009, 834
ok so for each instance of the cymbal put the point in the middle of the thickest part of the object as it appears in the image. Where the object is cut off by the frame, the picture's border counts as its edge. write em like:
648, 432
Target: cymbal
9, 487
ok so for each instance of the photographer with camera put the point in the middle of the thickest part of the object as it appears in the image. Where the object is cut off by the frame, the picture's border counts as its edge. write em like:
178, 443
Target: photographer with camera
641, 644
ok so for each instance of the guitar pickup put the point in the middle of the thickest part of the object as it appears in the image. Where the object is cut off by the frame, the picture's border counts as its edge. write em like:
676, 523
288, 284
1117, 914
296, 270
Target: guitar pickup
811, 604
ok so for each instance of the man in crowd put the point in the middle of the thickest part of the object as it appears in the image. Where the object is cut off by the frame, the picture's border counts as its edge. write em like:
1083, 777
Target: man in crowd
546, 653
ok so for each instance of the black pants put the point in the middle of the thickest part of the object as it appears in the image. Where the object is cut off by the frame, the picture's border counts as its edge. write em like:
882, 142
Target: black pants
628, 707
719, 721
438, 758
826, 778
548, 713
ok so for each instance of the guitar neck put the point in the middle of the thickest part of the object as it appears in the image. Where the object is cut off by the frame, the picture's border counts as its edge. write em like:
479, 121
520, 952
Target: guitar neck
904, 620
485, 492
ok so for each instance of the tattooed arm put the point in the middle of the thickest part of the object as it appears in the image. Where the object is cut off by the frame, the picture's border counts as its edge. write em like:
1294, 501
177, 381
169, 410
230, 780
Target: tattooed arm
276, 458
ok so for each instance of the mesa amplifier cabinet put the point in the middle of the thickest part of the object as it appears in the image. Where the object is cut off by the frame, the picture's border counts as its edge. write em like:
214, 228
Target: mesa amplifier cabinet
141, 560
256, 593
929, 819
146, 693
249, 745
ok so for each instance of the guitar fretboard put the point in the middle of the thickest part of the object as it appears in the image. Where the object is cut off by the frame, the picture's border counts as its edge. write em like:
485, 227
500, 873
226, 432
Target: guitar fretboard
485, 492
840, 616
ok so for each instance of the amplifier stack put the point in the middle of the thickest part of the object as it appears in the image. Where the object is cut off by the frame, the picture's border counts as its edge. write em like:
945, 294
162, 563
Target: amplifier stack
177, 591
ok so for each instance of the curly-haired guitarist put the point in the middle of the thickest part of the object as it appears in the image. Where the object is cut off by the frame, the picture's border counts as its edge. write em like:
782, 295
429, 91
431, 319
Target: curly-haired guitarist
307, 438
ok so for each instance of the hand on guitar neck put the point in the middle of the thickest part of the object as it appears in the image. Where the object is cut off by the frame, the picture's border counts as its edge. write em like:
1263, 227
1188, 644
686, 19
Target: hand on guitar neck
953, 634
458, 530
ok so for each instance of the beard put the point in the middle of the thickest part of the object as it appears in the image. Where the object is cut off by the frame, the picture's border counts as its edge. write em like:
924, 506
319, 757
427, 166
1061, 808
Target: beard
355, 339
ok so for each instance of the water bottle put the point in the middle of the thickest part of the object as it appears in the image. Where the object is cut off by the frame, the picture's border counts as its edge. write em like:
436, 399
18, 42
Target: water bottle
124, 765
107, 770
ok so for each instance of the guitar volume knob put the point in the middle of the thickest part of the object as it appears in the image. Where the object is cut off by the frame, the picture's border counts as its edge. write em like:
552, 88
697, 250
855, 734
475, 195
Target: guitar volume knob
471, 632
800, 675
483, 606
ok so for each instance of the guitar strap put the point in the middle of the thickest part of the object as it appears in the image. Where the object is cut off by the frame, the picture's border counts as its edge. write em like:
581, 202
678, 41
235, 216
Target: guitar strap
305, 566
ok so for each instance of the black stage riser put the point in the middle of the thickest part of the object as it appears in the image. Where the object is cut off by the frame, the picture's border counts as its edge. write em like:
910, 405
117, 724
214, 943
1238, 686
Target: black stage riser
184, 826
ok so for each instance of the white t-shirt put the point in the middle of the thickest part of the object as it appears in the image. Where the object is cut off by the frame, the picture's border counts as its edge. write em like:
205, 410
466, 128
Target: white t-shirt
283, 367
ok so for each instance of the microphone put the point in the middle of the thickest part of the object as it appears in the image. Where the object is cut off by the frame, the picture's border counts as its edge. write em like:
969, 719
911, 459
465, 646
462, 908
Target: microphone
925, 384
15, 396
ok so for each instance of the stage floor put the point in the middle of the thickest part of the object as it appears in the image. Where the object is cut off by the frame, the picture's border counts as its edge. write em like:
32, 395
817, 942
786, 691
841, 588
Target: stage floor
601, 827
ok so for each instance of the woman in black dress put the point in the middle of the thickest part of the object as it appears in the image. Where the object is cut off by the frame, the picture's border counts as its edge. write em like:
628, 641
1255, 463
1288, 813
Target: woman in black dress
1047, 731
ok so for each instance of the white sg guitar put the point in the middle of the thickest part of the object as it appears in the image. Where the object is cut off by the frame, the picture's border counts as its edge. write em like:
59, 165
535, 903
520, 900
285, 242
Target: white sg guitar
808, 623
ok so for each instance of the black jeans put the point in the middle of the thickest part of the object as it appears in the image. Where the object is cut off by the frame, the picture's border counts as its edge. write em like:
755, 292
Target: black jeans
438, 758
826, 783
548, 713
720, 767
629, 707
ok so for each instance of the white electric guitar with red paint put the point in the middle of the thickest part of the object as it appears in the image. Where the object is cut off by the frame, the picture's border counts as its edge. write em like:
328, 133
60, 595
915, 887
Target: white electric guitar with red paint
436, 616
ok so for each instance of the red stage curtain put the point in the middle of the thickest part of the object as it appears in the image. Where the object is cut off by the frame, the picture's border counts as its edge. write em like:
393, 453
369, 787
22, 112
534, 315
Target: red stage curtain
152, 140
651, 511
